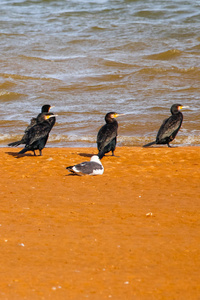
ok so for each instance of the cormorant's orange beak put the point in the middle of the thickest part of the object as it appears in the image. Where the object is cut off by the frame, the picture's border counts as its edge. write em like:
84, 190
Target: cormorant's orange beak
117, 115
50, 116
181, 107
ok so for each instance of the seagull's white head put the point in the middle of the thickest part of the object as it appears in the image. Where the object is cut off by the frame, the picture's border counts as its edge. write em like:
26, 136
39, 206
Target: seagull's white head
96, 159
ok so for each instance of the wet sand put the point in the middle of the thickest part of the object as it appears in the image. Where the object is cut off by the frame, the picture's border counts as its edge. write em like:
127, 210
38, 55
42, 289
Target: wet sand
132, 233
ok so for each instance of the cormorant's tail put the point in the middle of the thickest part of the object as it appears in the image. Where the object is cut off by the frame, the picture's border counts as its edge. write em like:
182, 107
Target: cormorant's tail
14, 144
23, 150
149, 144
101, 154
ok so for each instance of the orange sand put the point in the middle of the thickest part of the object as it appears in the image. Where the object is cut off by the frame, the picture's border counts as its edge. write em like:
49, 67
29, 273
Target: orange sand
132, 233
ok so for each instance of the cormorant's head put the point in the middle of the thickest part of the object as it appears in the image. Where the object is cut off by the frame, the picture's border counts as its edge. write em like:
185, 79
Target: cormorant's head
112, 115
176, 108
46, 108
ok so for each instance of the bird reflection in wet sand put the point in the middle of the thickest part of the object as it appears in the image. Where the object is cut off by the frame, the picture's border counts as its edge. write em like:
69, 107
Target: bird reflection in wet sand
107, 135
169, 127
37, 135
45, 109
92, 167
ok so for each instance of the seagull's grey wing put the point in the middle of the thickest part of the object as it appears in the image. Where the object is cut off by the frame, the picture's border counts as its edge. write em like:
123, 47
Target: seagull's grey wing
88, 167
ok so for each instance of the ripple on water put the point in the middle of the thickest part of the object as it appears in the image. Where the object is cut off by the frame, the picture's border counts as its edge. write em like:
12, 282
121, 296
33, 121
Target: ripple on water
91, 57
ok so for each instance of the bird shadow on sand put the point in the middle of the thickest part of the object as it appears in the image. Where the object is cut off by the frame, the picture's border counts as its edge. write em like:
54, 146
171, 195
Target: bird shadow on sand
17, 155
86, 154
72, 174
90, 155
160, 147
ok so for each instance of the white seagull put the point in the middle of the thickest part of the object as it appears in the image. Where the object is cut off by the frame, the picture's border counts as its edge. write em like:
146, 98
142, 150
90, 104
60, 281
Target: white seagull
92, 167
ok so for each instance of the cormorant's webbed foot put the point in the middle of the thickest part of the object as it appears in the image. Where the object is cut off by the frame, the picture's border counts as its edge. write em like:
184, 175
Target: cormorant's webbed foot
114, 154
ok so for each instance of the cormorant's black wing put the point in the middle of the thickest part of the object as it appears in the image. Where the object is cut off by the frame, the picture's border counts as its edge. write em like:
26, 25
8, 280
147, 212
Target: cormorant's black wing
32, 123
25, 138
170, 126
105, 135
38, 131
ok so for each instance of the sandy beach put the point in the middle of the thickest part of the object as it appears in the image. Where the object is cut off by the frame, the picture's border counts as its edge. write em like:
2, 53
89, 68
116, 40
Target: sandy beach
132, 233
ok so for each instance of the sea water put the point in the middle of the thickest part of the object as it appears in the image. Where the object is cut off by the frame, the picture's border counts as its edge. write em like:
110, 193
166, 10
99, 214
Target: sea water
88, 58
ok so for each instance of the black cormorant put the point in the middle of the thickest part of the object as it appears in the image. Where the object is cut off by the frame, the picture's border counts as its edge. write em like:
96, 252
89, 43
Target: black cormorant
107, 135
45, 109
92, 167
37, 135
169, 127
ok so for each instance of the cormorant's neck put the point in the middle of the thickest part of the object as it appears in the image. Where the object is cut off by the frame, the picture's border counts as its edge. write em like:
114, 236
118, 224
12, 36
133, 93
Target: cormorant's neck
176, 113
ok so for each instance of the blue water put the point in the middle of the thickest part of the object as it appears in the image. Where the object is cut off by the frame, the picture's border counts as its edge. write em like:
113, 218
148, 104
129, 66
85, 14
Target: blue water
91, 57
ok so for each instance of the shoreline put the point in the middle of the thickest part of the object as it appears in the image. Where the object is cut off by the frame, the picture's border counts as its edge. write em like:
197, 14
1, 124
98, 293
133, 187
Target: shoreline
131, 233
173, 145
